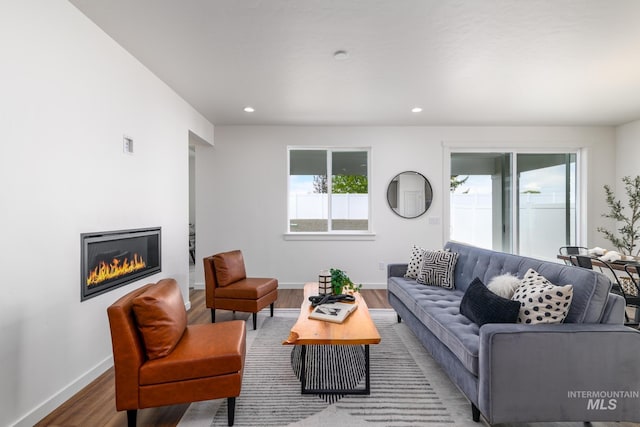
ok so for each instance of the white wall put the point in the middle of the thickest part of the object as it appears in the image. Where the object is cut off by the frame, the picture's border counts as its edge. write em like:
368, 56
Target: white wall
68, 94
241, 192
192, 189
627, 161
628, 152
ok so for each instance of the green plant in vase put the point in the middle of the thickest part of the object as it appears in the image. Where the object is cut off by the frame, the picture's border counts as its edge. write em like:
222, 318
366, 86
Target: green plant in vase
341, 283
628, 219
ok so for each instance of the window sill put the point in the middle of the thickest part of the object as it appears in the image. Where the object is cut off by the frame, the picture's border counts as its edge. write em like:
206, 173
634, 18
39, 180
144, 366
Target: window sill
329, 236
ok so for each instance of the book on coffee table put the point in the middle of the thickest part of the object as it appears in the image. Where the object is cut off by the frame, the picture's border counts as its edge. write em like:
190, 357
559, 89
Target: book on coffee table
334, 312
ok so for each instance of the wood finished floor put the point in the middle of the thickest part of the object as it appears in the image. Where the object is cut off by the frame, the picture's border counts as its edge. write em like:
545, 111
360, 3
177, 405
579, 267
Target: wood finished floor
95, 404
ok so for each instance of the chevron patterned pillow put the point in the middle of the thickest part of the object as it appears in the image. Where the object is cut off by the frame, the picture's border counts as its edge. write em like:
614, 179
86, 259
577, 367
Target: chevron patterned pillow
437, 268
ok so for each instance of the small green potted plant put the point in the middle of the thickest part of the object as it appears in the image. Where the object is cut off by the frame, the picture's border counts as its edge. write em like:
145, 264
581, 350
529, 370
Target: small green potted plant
341, 283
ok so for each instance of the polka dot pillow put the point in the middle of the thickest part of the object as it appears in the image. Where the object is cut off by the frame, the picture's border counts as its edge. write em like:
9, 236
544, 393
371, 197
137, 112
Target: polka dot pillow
413, 269
541, 301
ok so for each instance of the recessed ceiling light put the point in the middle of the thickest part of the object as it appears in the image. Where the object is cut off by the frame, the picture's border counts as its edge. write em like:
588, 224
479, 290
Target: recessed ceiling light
249, 109
340, 55
416, 110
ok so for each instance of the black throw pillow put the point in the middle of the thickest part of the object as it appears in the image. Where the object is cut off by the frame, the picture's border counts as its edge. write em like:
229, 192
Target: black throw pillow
482, 306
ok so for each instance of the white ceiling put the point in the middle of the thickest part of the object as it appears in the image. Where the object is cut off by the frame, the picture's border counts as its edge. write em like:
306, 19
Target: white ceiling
465, 62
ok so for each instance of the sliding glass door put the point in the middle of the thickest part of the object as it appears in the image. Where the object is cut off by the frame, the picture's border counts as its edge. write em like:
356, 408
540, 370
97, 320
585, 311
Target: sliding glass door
480, 211
546, 203
514, 202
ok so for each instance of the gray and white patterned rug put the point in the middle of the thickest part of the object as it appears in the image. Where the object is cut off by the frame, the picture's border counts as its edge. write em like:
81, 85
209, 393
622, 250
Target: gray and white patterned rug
407, 387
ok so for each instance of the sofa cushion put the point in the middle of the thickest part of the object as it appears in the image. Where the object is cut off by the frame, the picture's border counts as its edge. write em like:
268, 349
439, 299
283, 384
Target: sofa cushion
541, 301
415, 262
437, 268
229, 267
161, 317
483, 306
439, 310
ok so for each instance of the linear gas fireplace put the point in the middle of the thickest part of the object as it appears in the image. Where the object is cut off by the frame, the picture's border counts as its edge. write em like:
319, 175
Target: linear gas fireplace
114, 258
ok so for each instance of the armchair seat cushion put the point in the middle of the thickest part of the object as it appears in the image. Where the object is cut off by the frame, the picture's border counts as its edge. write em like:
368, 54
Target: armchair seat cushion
252, 288
205, 350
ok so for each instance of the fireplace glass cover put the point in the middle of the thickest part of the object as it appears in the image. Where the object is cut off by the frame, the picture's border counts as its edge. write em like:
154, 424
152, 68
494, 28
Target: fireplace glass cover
115, 258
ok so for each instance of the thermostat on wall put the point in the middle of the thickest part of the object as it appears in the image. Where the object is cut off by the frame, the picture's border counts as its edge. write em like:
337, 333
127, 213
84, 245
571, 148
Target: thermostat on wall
127, 144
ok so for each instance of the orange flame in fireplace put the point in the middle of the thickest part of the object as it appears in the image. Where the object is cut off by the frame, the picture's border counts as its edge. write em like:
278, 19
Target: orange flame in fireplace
115, 269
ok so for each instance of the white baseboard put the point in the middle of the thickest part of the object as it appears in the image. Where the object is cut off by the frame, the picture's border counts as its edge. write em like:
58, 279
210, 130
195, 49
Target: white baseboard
49, 405
291, 285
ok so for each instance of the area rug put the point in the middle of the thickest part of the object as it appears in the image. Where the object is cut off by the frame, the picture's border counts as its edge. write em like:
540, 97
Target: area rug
407, 387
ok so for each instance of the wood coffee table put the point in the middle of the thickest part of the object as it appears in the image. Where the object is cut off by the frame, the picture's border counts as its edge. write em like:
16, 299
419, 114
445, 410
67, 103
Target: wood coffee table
357, 330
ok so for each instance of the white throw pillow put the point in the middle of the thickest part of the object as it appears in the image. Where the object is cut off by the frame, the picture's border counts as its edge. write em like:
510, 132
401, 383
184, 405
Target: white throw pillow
415, 262
504, 285
541, 301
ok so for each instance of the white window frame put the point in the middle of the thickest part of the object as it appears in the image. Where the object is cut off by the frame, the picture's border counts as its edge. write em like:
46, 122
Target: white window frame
331, 234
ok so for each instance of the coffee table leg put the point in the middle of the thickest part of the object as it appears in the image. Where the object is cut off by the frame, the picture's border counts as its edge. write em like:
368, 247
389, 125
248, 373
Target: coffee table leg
303, 370
367, 389
303, 377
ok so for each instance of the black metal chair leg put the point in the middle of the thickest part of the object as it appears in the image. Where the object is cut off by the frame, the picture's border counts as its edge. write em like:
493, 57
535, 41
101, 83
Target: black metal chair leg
271, 308
255, 320
213, 315
231, 410
131, 417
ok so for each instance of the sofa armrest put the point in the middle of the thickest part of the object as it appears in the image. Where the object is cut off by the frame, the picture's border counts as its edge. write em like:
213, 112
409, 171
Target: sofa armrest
568, 372
396, 270
614, 310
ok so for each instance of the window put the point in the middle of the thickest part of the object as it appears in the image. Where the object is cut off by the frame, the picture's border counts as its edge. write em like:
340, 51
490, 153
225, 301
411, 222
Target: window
328, 190
521, 203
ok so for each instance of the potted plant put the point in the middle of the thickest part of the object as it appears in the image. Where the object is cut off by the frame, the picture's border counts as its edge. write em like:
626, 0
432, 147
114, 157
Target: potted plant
629, 232
341, 283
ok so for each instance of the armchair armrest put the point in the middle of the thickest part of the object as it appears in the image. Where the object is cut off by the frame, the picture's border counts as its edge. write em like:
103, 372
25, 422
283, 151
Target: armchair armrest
396, 270
566, 372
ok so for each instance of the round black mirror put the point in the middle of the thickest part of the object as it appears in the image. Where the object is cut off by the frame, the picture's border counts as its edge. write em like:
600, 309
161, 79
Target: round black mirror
409, 194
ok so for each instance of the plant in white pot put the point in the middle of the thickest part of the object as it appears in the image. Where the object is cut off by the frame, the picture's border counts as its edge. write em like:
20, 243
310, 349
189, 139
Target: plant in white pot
627, 217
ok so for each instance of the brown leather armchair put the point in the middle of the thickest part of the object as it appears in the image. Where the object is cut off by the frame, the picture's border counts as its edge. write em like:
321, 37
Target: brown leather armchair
160, 360
229, 288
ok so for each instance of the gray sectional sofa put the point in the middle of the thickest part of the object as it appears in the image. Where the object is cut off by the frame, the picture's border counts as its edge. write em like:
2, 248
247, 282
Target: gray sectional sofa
585, 369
